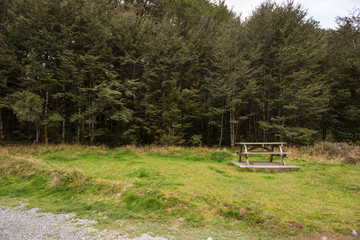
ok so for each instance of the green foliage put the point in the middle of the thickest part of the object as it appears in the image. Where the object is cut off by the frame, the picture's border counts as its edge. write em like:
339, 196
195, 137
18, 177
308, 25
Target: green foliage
27, 106
290, 51
344, 48
53, 120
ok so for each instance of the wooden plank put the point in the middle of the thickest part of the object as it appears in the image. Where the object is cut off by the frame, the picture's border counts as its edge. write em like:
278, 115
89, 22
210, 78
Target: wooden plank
260, 143
260, 147
269, 153
275, 166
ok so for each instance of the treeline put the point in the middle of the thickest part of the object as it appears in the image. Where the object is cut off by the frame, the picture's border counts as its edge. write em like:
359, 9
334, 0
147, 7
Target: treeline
186, 72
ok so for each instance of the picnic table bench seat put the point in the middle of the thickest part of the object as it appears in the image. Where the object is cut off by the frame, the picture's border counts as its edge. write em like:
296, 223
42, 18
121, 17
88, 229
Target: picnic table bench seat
262, 152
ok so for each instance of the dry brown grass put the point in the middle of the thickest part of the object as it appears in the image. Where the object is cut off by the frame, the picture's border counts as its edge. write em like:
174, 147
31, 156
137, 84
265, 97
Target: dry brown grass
336, 152
322, 151
31, 149
169, 150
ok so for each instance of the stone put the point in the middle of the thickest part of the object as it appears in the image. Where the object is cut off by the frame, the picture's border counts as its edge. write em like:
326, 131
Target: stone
354, 233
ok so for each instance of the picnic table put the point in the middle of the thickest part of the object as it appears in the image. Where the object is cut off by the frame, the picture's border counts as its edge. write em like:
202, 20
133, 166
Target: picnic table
270, 148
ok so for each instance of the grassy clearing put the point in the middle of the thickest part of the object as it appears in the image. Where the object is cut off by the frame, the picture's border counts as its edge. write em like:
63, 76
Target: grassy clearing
192, 192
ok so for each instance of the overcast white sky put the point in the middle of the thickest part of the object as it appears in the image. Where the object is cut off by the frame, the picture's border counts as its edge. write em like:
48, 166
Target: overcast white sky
324, 11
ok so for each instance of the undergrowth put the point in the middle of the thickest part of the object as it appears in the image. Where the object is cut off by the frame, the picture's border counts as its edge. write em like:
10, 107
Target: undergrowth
331, 151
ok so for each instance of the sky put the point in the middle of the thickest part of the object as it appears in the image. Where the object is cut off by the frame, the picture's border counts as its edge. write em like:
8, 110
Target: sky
323, 11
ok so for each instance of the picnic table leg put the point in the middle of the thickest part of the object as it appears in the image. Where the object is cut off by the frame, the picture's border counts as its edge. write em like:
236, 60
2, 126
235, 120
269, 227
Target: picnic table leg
271, 155
282, 155
240, 153
246, 155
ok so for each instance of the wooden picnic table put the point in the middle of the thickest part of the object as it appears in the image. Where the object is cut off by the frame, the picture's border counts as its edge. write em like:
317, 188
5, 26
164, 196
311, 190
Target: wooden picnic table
269, 148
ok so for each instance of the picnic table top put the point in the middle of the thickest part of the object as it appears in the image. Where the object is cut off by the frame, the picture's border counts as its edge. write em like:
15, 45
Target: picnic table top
260, 143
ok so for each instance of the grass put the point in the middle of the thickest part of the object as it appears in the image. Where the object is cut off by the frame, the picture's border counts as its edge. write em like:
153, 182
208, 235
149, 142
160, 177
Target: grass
187, 193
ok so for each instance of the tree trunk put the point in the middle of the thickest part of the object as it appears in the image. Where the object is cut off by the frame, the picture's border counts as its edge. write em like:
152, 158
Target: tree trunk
208, 130
45, 113
265, 107
1, 126
282, 126
221, 129
92, 128
82, 128
78, 128
63, 127
232, 128
324, 129
37, 126
63, 132
237, 126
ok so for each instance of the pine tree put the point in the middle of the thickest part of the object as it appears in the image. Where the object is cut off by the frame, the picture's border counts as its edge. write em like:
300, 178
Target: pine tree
344, 57
295, 93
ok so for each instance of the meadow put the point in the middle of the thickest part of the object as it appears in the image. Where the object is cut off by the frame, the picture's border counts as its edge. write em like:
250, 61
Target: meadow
186, 193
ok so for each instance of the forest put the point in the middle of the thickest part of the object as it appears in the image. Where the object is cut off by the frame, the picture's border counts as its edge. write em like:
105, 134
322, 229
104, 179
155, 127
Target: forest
175, 72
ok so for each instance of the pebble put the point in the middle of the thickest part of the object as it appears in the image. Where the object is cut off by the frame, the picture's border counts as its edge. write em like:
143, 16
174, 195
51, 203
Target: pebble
18, 223
354, 233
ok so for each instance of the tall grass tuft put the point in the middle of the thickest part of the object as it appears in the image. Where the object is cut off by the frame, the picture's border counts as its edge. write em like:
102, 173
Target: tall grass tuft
221, 156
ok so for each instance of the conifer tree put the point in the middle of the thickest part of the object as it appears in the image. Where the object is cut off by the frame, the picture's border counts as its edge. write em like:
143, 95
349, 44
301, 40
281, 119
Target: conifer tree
344, 57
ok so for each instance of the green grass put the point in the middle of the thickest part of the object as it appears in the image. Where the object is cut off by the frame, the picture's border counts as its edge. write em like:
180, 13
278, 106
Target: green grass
141, 190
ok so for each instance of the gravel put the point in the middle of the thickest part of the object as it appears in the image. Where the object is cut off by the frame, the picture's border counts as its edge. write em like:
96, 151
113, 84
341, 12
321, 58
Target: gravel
18, 224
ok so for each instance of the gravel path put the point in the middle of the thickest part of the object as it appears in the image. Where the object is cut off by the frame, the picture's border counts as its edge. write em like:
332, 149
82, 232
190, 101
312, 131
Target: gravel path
20, 224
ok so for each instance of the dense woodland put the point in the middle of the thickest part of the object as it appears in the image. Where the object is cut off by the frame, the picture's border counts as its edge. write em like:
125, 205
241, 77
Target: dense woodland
183, 72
